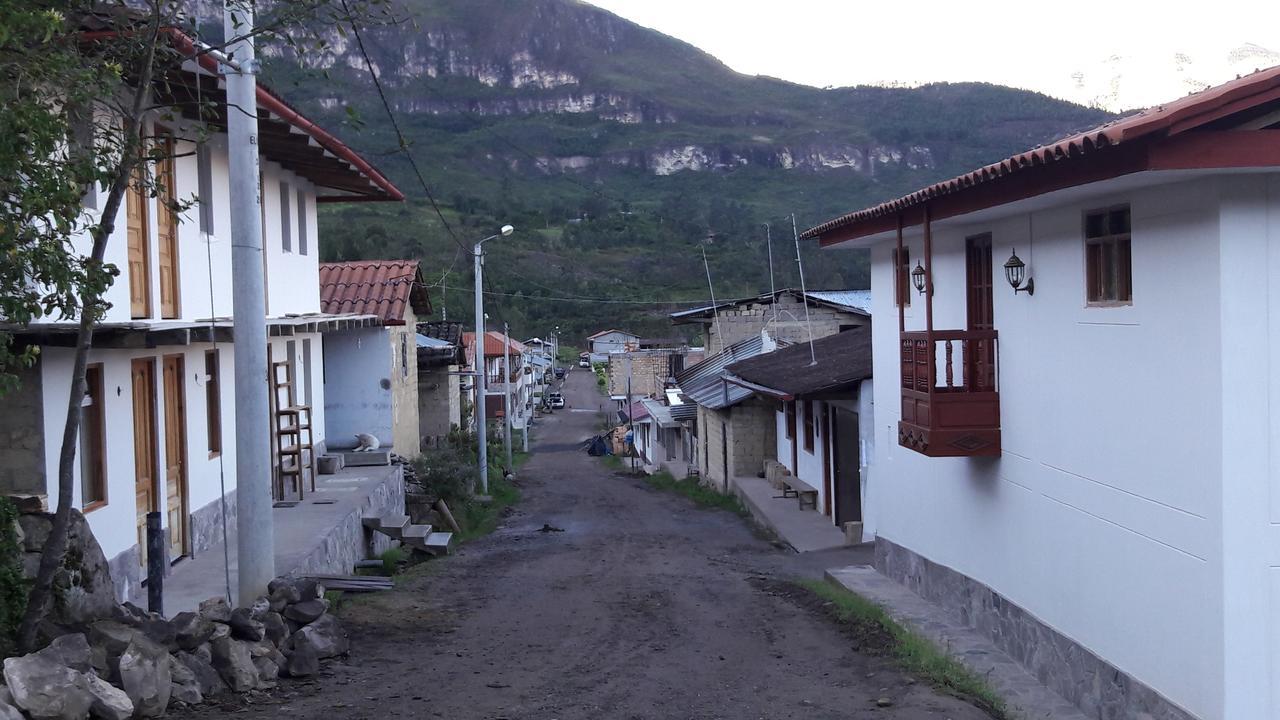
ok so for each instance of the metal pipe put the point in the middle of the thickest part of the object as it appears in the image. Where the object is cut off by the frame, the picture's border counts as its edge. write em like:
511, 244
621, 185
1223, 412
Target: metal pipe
482, 369
506, 390
255, 537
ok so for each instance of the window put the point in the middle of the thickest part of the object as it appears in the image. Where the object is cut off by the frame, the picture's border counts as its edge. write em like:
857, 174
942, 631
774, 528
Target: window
213, 401
286, 229
789, 409
306, 371
1108, 263
902, 277
93, 466
808, 425
204, 180
404, 355
302, 223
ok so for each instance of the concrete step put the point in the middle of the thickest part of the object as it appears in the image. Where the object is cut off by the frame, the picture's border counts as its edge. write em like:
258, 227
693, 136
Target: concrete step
392, 526
438, 543
415, 536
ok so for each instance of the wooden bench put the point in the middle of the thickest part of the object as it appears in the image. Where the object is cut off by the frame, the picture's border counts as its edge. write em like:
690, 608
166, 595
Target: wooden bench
794, 487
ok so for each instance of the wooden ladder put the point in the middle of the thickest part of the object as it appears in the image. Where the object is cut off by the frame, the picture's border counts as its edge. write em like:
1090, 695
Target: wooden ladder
295, 443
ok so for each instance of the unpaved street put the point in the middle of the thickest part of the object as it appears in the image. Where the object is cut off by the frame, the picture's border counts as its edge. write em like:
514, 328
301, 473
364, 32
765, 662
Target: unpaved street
645, 606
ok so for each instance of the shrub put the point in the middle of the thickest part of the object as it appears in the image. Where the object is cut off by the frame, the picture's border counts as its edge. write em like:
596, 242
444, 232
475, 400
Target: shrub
13, 586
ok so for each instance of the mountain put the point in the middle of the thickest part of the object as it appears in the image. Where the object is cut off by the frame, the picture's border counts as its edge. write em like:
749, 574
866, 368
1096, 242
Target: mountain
616, 151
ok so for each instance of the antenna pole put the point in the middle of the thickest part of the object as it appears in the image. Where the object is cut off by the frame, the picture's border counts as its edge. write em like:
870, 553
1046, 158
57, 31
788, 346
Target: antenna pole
715, 311
773, 288
813, 358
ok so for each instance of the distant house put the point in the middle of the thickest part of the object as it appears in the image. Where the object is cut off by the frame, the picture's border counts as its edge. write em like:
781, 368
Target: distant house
648, 372
520, 384
371, 374
662, 440
825, 436
1079, 401
788, 315
441, 357
610, 341
734, 427
158, 421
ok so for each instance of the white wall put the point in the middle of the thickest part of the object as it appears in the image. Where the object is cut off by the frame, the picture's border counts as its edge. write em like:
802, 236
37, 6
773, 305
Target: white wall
1103, 516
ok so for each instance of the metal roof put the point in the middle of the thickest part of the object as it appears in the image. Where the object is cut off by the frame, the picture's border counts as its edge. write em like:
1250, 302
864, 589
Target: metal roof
854, 301
687, 411
430, 342
659, 412
703, 383
843, 361
1193, 111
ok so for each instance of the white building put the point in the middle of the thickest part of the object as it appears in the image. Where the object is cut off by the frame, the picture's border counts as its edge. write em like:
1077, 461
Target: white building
610, 341
1090, 473
158, 424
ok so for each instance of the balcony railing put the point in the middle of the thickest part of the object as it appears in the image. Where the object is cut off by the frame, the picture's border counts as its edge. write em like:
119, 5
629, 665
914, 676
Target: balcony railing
950, 393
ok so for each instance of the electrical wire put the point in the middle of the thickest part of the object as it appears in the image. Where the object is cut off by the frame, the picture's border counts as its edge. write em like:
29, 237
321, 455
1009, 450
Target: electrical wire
611, 301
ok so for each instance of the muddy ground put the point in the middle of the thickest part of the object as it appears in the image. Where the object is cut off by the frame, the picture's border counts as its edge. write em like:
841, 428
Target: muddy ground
644, 607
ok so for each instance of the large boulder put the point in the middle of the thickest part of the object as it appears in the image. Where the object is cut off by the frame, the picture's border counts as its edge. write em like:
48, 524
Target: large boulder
216, 609
327, 636
274, 628
112, 636
145, 675
305, 588
207, 678
268, 671
244, 627
7, 710
82, 589
234, 663
303, 660
71, 651
282, 597
306, 611
109, 701
186, 686
191, 630
46, 690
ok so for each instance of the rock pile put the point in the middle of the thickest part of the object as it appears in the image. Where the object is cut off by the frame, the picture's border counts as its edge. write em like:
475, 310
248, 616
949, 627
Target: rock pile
136, 664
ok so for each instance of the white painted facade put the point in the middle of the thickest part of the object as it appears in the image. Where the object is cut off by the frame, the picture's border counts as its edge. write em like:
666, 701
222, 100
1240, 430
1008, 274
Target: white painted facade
612, 341
1136, 505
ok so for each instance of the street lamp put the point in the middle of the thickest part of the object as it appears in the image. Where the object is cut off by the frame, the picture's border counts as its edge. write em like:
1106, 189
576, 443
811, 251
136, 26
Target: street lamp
480, 367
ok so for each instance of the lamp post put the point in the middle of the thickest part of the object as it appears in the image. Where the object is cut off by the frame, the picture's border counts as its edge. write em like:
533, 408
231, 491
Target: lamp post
481, 367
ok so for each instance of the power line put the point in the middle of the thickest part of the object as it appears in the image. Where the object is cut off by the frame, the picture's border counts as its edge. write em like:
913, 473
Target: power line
404, 143
611, 301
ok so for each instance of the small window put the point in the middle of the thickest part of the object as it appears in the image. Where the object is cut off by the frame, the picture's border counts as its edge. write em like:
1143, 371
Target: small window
93, 465
213, 400
404, 355
204, 180
902, 277
808, 425
790, 410
302, 222
1108, 260
286, 229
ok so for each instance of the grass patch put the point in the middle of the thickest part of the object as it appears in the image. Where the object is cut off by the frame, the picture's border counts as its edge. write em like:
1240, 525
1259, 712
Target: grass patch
391, 559
479, 519
614, 462
700, 494
914, 653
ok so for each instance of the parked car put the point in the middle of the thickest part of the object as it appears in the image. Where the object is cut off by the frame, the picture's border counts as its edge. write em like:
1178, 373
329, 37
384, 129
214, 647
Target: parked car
584, 363
560, 373
556, 400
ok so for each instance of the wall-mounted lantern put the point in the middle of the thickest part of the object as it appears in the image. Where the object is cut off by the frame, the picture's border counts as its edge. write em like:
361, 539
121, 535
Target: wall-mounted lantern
1015, 271
917, 277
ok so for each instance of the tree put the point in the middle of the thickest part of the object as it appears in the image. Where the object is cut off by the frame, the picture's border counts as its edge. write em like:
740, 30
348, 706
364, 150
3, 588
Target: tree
80, 82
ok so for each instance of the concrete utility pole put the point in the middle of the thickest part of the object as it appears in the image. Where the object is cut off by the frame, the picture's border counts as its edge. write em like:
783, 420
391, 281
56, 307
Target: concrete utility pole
482, 430
255, 539
506, 392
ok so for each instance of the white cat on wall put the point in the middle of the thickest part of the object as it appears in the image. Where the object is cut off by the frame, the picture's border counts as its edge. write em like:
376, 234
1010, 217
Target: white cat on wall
366, 443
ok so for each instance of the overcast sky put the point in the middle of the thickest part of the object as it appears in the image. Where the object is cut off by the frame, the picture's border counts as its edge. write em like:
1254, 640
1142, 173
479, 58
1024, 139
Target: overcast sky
1115, 55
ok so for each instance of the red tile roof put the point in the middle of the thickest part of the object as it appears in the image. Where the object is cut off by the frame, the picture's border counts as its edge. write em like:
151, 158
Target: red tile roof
1187, 113
492, 344
385, 288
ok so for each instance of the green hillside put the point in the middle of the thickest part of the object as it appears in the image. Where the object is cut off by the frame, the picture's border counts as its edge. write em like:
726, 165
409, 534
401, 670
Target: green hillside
616, 150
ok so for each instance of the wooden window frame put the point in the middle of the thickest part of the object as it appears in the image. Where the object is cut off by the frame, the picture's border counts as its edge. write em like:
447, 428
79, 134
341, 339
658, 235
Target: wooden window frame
808, 426
94, 393
902, 277
1112, 246
213, 401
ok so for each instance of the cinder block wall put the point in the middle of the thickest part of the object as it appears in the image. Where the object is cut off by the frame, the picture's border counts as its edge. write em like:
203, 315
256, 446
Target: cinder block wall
649, 372
747, 321
22, 470
711, 438
753, 437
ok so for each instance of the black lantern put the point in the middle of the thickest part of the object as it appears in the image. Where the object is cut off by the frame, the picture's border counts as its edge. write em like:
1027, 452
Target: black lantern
1015, 271
917, 277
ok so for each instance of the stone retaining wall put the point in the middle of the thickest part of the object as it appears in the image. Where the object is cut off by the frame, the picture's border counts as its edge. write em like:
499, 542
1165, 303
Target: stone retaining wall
348, 540
1098, 688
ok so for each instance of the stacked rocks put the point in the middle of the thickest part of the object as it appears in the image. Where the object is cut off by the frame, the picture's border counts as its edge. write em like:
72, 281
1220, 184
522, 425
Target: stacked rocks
136, 664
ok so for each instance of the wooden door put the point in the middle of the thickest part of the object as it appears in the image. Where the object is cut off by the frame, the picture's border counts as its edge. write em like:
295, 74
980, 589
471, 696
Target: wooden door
144, 447
826, 437
175, 454
167, 229
848, 466
978, 282
139, 251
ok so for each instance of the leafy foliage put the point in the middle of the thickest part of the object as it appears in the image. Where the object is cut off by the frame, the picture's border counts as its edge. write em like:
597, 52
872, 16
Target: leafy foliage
13, 587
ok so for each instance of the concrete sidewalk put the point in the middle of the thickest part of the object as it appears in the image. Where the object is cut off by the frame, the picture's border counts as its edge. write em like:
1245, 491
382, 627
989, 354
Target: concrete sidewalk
321, 534
1026, 696
803, 530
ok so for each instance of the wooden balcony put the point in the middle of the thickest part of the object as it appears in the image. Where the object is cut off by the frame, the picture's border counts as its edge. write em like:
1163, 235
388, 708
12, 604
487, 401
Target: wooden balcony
948, 416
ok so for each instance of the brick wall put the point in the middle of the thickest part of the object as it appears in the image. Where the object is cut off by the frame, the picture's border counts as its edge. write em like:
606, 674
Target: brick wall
649, 372
749, 429
747, 321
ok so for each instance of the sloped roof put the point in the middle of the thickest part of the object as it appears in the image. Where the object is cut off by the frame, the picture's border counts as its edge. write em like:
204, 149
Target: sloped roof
448, 331
1241, 96
385, 288
843, 361
660, 413
602, 333
704, 383
493, 344
850, 301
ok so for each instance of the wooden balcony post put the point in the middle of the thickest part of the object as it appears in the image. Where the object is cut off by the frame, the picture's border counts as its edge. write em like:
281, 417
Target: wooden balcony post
897, 279
928, 299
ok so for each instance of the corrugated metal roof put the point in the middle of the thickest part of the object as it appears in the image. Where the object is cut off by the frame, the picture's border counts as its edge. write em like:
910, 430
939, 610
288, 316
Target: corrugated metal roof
659, 412
687, 411
702, 383
1185, 113
855, 301
385, 288
430, 342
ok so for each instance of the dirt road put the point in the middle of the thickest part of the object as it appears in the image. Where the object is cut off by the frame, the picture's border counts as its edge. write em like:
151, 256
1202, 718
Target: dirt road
645, 606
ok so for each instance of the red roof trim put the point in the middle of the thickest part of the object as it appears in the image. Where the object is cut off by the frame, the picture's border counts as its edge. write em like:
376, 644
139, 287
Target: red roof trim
1100, 146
